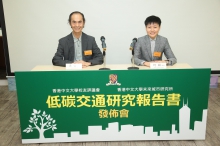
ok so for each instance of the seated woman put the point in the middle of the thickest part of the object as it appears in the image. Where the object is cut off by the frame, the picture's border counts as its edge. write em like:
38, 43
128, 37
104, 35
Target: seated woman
150, 48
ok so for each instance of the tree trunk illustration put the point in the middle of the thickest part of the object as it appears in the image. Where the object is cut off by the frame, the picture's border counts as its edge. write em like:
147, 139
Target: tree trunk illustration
41, 132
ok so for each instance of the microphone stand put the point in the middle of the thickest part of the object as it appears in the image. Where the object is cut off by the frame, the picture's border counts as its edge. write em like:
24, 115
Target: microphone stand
133, 67
104, 61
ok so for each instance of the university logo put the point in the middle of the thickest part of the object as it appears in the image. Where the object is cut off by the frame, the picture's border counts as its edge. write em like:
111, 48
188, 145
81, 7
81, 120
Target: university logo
113, 80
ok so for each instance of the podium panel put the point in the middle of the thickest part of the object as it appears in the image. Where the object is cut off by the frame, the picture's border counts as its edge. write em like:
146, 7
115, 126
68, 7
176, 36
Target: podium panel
113, 105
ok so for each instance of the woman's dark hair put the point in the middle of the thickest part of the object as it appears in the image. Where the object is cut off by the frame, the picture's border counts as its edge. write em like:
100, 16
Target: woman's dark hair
152, 19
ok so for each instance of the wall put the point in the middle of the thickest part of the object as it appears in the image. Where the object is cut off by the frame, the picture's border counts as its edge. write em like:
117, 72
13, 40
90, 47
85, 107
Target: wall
34, 28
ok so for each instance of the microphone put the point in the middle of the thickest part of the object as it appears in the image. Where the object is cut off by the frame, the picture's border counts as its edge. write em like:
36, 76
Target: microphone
104, 53
132, 51
103, 43
133, 43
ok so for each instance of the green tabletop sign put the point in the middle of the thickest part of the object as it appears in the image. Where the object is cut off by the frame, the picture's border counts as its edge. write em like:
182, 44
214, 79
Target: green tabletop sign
114, 105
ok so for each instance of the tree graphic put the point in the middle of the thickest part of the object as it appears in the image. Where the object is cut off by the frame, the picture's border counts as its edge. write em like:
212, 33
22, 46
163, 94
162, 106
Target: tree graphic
41, 122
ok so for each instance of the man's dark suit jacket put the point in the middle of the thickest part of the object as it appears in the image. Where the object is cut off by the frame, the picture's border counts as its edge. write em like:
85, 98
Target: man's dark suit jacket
66, 52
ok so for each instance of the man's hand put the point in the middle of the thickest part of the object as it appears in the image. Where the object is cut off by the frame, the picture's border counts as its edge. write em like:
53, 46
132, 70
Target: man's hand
84, 64
147, 64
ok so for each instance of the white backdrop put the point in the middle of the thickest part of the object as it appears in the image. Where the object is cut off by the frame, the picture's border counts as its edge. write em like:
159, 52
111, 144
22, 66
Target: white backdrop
34, 27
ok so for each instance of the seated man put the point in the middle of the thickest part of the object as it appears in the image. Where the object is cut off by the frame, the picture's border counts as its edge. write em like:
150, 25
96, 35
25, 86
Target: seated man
77, 47
150, 48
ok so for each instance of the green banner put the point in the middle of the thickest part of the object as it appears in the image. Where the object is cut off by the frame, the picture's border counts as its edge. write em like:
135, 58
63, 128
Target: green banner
71, 106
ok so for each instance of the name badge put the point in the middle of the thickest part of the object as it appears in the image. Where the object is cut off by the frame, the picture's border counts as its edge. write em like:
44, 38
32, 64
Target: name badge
157, 54
158, 65
88, 52
73, 66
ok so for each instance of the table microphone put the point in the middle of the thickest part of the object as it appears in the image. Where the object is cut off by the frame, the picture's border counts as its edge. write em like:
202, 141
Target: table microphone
132, 45
132, 52
104, 53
